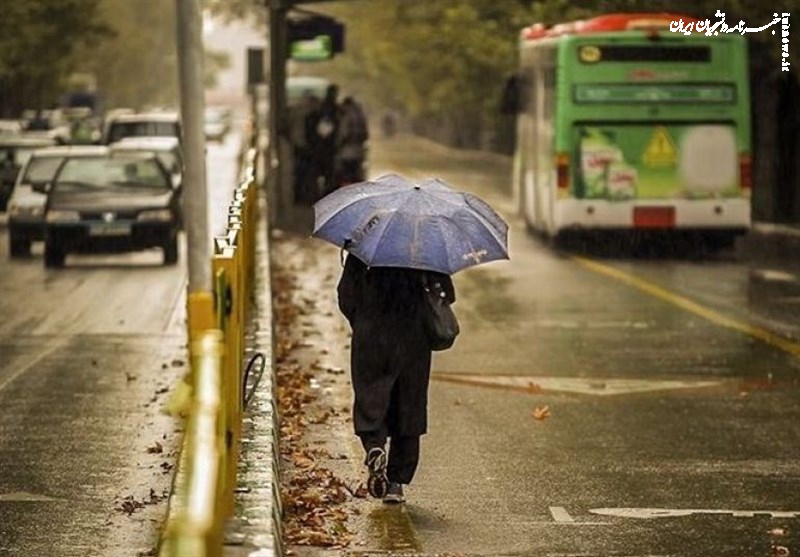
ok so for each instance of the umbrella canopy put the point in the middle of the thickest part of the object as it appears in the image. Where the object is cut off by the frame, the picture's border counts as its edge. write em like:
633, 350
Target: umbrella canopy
395, 222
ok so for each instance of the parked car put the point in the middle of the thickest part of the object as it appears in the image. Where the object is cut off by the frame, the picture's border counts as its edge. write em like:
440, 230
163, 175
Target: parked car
10, 127
216, 123
109, 204
47, 123
153, 124
14, 153
27, 203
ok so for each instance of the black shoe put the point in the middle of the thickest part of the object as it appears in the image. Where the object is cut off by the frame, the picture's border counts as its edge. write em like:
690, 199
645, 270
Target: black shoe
394, 494
377, 483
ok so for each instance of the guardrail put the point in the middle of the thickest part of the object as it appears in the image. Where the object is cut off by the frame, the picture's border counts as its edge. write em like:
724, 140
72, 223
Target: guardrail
212, 395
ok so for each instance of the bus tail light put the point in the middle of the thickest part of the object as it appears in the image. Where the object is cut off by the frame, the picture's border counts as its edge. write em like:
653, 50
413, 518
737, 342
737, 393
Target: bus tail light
746, 173
562, 174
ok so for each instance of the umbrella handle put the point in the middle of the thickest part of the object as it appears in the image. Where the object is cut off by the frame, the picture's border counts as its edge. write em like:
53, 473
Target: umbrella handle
346, 243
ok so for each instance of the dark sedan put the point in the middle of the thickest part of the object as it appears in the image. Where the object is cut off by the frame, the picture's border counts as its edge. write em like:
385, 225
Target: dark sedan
108, 204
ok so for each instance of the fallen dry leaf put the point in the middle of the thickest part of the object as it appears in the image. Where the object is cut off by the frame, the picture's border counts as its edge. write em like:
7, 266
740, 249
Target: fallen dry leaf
156, 448
303, 461
534, 389
313, 496
541, 412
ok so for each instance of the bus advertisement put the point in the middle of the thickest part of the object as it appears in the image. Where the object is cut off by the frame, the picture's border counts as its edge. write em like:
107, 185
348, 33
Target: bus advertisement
622, 125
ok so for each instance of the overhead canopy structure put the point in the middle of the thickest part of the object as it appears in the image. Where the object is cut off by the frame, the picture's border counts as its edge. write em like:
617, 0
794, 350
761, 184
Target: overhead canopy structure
308, 37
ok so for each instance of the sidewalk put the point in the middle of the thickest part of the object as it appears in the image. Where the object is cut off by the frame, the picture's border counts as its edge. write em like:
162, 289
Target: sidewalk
324, 503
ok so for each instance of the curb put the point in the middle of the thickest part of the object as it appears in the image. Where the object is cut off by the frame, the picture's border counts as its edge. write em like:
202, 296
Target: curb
255, 529
768, 241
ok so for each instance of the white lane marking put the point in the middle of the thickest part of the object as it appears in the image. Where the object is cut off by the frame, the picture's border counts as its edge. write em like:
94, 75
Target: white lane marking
579, 385
560, 514
650, 513
57, 344
551, 523
773, 275
176, 319
25, 496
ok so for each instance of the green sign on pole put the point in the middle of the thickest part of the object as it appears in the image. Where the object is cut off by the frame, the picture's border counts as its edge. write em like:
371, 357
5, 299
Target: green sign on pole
312, 50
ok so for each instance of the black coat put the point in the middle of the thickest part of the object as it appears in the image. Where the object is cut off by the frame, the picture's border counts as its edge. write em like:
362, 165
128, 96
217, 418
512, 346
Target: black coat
390, 354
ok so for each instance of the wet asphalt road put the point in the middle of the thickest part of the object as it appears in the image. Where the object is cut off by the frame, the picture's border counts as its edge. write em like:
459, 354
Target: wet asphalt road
88, 354
673, 386
655, 403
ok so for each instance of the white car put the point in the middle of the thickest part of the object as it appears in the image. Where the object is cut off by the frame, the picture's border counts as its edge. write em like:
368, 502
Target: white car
27, 203
150, 124
10, 127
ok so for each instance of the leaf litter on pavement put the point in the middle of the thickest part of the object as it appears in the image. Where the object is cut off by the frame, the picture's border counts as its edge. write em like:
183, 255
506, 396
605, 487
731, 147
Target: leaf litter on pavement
315, 510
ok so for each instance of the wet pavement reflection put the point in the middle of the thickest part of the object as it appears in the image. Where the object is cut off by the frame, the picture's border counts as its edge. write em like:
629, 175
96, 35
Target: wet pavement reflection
629, 406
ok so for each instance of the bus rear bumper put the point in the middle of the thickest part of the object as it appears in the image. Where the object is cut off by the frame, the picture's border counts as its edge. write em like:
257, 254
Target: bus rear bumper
713, 214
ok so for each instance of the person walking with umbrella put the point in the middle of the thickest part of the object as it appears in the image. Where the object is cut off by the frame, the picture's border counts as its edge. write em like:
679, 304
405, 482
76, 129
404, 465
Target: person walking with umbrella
390, 363
404, 240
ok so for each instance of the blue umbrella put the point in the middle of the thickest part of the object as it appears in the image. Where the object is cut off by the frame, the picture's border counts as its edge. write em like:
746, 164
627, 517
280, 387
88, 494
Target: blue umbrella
394, 222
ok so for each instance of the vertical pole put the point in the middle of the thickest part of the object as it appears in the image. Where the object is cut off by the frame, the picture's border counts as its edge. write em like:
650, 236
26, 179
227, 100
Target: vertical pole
280, 198
195, 197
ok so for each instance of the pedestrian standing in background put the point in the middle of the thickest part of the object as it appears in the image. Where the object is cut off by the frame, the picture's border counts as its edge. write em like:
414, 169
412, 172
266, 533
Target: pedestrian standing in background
324, 124
351, 139
390, 366
301, 145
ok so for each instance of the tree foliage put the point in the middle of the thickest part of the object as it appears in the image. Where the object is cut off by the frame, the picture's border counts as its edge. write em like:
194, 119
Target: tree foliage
128, 46
138, 66
443, 62
39, 42
439, 62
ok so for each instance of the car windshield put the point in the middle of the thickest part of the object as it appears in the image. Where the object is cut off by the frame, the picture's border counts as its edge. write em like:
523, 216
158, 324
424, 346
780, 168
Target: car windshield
41, 170
169, 159
91, 174
120, 130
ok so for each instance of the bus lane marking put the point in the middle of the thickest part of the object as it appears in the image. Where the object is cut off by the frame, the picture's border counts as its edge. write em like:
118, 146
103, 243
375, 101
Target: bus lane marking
560, 514
573, 385
652, 513
682, 302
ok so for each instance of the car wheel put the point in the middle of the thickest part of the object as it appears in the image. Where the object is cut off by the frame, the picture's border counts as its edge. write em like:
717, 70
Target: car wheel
171, 251
19, 246
54, 255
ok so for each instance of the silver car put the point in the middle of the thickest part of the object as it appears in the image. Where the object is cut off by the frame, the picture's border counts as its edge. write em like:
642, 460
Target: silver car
27, 203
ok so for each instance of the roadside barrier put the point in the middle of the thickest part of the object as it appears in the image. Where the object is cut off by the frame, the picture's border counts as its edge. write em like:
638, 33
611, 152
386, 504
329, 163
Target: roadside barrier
212, 395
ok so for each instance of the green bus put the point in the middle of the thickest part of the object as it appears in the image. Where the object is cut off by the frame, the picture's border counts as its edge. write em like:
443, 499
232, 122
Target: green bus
623, 125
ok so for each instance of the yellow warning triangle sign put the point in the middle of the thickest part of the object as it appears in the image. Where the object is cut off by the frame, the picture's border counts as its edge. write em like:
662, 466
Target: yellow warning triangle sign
661, 150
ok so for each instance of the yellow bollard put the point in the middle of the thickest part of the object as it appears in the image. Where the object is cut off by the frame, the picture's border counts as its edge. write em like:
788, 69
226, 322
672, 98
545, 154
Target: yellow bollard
225, 260
200, 312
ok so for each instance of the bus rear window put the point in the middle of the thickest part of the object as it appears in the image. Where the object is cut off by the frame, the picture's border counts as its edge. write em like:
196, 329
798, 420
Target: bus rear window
647, 53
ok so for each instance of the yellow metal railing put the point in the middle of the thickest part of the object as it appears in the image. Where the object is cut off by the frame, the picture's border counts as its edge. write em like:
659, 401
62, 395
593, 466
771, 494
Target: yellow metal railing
203, 491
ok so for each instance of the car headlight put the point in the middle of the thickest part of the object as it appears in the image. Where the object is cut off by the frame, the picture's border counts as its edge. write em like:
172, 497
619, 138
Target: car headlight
160, 215
25, 211
63, 216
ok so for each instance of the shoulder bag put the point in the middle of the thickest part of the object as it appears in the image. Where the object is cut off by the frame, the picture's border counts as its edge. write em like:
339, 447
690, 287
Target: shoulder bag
439, 321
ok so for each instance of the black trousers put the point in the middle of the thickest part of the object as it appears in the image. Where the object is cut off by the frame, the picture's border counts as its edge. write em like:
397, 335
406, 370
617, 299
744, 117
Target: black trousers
403, 454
